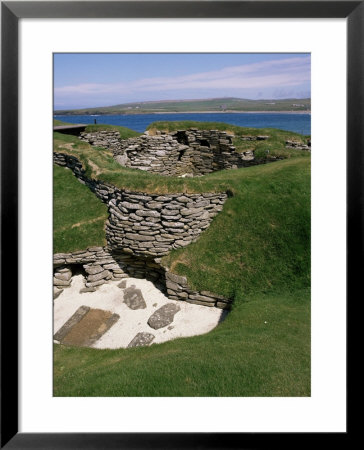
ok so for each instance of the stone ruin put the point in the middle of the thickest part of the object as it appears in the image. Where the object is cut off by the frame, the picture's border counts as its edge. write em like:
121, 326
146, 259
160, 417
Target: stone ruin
189, 152
141, 228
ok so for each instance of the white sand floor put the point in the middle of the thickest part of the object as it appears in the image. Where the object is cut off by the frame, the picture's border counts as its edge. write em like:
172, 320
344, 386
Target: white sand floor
191, 320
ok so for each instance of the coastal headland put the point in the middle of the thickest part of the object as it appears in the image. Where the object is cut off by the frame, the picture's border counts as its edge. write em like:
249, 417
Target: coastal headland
217, 105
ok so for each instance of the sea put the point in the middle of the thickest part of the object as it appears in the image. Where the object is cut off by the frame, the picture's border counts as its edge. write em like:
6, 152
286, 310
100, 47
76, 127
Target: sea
299, 123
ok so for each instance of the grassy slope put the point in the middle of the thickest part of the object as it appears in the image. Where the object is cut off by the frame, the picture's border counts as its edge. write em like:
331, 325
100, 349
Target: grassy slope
218, 104
261, 239
258, 251
79, 216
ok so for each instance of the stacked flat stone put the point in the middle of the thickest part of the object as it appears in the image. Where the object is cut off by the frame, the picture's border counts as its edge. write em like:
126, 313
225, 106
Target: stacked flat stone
193, 152
153, 225
61, 279
150, 224
159, 154
102, 264
105, 139
178, 289
189, 152
141, 228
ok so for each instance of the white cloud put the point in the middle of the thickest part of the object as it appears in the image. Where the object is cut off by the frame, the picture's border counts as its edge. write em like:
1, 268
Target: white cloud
282, 73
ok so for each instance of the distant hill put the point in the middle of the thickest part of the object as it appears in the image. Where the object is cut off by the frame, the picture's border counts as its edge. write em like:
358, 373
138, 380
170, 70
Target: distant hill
228, 104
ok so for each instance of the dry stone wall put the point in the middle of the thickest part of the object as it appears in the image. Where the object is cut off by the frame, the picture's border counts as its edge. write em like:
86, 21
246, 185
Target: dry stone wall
149, 224
105, 139
189, 152
158, 154
102, 190
101, 264
141, 228
184, 152
154, 224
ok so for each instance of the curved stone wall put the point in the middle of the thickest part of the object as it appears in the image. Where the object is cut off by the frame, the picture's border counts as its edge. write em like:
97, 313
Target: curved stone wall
152, 225
149, 224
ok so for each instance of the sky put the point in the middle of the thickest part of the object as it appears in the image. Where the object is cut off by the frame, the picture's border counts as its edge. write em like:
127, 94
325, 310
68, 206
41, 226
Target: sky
84, 80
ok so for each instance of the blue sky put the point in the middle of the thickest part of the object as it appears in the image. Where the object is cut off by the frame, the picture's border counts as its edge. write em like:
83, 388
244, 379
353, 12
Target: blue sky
86, 80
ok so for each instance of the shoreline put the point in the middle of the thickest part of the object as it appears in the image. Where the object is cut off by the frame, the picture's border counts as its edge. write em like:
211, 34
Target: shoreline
232, 112
188, 112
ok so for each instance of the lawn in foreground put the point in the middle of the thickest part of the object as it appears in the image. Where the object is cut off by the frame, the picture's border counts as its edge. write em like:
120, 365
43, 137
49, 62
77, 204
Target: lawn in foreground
262, 349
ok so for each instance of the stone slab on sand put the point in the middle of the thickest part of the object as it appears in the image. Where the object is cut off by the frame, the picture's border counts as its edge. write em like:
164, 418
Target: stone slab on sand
191, 320
85, 327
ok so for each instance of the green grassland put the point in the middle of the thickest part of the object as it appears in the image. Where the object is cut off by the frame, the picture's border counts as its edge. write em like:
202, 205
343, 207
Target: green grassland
257, 251
78, 215
59, 123
215, 104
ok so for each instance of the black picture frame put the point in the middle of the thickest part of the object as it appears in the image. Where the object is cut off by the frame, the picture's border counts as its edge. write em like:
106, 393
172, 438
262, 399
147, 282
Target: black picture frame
11, 12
